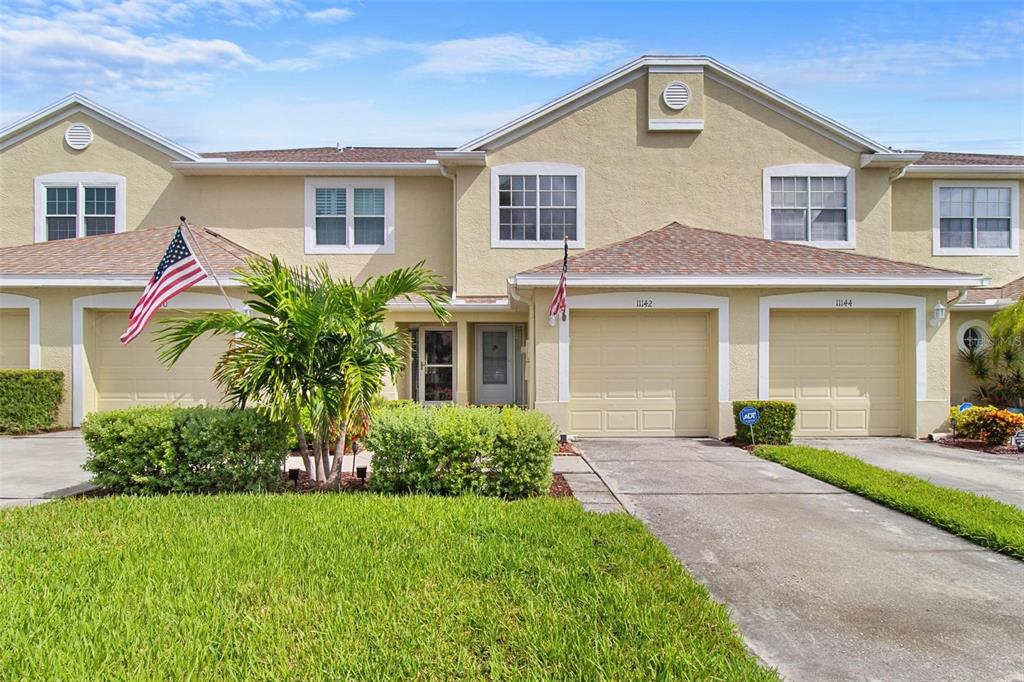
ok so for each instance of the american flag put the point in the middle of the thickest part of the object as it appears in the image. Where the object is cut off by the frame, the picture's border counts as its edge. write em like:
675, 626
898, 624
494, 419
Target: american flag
178, 270
558, 303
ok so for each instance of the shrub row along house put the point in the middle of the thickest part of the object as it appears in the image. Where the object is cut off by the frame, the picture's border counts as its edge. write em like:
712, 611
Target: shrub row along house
725, 243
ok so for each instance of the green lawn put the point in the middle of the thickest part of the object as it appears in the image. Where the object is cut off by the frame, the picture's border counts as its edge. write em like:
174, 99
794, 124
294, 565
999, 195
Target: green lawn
305, 587
980, 519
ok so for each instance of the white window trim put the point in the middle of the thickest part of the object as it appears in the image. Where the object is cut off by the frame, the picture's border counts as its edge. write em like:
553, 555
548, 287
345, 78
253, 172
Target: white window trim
821, 170
535, 168
983, 326
387, 184
79, 180
32, 305
938, 250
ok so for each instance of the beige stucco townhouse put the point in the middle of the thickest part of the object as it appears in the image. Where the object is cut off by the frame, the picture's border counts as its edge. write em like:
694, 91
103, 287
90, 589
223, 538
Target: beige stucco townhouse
725, 242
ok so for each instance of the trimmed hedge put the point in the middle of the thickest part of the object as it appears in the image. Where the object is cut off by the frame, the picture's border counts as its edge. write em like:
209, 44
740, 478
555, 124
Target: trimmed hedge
159, 450
455, 450
30, 399
778, 419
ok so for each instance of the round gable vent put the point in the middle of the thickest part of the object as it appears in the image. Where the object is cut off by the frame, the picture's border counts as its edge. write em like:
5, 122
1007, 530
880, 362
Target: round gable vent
676, 95
78, 136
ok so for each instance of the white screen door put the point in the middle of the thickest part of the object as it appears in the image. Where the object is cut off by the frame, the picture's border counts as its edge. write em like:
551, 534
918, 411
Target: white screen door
495, 369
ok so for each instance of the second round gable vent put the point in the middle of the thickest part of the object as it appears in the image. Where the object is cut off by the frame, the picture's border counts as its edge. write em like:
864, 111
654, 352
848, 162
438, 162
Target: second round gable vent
78, 136
676, 95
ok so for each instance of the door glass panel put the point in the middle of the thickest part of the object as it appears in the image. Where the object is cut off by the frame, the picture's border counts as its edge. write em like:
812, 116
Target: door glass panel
415, 364
495, 357
438, 349
437, 384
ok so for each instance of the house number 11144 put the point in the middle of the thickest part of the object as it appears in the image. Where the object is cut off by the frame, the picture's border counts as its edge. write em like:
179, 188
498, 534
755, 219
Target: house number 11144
844, 302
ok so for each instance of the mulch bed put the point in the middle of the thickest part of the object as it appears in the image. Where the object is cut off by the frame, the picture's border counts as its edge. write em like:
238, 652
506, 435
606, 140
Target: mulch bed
567, 449
559, 487
978, 446
305, 484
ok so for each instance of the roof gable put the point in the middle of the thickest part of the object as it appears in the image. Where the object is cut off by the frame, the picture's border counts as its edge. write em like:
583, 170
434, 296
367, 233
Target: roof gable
76, 103
712, 68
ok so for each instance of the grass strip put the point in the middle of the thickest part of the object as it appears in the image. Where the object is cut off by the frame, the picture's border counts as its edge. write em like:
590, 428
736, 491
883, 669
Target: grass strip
308, 587
977, 518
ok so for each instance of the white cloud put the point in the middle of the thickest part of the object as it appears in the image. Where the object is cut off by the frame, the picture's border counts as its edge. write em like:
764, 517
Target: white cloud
329, 15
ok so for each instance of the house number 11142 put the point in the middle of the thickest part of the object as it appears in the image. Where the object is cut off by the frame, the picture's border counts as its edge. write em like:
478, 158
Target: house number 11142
644, 303
844, 302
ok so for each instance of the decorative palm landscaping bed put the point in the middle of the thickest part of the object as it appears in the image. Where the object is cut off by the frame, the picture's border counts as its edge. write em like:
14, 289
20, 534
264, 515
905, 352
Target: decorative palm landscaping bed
350, 586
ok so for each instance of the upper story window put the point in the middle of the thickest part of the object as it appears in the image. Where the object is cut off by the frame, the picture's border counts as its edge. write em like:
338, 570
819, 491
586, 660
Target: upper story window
810, 204
975, 218
536, 205
350, 215
70, 205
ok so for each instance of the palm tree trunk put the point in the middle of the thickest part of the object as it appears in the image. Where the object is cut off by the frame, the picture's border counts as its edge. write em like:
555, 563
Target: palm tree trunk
319, 461
304, 449
339, 455
325, 459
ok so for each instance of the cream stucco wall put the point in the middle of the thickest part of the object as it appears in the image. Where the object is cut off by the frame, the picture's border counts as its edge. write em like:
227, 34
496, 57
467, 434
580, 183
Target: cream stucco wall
912, 234
262, 213
962, 384
638, 180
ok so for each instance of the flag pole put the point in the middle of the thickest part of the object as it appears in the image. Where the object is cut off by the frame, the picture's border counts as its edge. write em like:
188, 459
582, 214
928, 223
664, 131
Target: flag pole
565, 269
202, 254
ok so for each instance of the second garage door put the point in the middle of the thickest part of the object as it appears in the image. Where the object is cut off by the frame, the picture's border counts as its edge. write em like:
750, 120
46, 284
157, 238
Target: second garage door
638, 373
133, 375
843, 369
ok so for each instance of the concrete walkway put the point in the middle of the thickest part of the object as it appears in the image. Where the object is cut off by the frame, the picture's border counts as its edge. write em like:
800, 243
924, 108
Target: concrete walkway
35, 469
1000, 477
587, 486
823, 584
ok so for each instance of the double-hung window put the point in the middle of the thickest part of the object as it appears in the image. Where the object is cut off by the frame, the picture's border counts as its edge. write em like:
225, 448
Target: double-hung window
536, 205
811, 204
975, 218
350, 215
70, 205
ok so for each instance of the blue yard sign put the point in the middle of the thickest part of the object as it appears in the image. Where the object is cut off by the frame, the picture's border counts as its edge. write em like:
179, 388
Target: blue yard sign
965, 406
749, 416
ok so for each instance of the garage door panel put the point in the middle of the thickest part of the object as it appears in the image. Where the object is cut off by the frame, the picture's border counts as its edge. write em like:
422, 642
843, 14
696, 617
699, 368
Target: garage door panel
130, 375
844, 369
652, 380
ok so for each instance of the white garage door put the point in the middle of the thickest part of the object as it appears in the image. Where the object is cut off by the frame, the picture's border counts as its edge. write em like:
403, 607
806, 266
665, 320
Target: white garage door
843, 369
14, 339
638, 373
133, 375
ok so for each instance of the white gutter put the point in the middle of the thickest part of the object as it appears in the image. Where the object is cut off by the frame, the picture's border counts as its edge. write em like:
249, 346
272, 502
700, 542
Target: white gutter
126, 281
455, 304
216, 167
963, 169
951, 281
463, 158
889, 159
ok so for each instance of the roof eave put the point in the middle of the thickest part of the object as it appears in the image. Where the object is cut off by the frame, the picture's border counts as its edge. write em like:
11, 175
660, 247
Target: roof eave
953, 170
950, 281
125, 281
889, 159
75, 103
221, 167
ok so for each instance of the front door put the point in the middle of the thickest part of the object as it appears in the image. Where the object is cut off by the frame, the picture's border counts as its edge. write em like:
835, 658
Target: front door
436, 365
495, 367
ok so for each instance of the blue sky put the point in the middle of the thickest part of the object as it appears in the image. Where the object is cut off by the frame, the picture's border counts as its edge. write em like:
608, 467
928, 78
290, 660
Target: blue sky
236, 74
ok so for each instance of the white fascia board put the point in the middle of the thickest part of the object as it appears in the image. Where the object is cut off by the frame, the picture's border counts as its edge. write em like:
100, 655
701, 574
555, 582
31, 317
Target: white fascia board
712, 68
889, 160
221, 167
987, 304
473, 158
95, 281
454, 304
950, 281
962, 169
76, 103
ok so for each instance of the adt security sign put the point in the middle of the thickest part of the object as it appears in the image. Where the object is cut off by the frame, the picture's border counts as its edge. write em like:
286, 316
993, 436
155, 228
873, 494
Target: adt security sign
965, 406
1018, 440
749, 416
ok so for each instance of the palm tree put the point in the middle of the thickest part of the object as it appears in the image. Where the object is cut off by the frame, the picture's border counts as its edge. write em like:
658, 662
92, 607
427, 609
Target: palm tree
313, 346
999, 365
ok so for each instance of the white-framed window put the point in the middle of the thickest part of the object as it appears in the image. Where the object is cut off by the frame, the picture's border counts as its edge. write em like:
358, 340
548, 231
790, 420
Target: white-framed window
810, 204
537, 205
69, 205
975, 218
972, 335
350, 215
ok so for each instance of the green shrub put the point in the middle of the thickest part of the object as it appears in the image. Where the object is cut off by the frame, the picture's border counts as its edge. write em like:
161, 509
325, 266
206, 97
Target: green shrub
455, 450
778, 419
986, 423
158, 450
29, 399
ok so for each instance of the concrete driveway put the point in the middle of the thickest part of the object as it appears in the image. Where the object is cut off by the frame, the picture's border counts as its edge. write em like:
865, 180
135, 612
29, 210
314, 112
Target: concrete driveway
1000, 477
35, 469
823, 584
